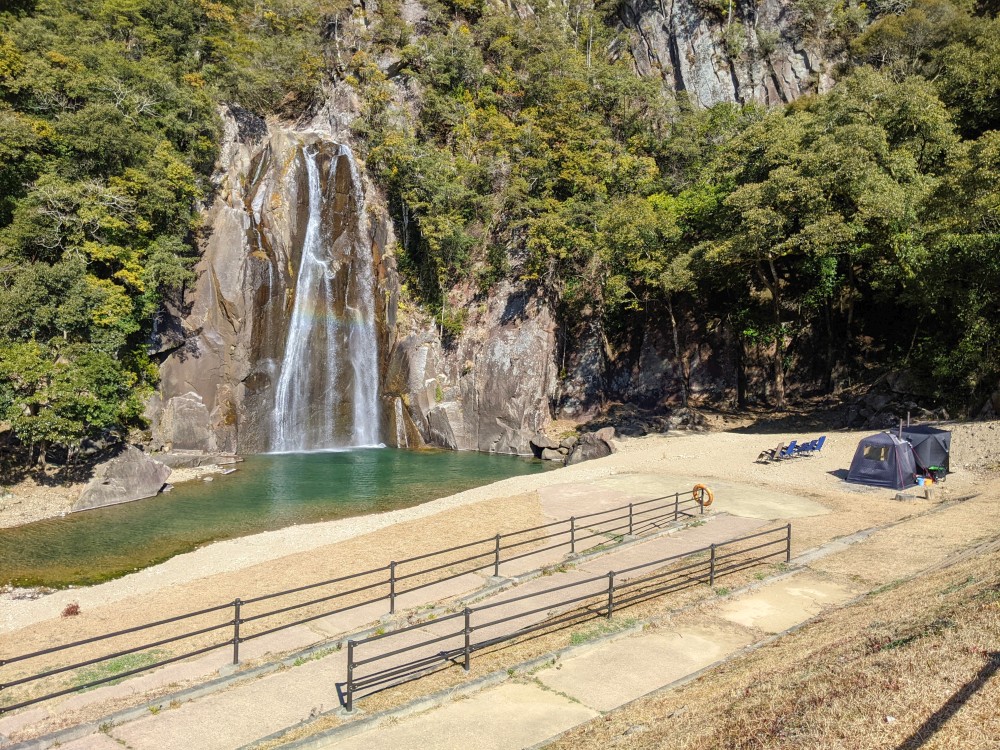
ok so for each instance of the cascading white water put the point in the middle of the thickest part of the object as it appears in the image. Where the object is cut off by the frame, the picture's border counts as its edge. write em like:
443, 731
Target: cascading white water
301, 420
362, 341
319, 350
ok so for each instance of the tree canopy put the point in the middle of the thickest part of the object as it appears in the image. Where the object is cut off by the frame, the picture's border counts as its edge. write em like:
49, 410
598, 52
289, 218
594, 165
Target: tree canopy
510, 144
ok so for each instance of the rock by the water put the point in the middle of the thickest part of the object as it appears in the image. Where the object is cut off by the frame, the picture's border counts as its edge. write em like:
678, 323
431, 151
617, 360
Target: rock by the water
591, 445
542, 441
552, 454
131, 475
569, 442
195, 459
607, 434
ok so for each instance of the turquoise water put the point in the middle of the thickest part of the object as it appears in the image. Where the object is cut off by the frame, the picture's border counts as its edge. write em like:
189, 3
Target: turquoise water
266, 493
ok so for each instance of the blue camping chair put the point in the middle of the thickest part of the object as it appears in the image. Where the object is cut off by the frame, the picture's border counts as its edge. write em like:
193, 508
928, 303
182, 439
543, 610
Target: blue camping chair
806, 446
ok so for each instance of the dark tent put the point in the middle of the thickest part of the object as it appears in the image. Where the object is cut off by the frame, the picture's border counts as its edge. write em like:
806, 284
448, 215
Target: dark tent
883, 460
931, 446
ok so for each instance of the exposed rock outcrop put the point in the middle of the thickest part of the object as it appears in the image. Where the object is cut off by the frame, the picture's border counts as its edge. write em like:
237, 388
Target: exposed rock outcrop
592, 445
488, 391
218, 383
758, 55
131, 475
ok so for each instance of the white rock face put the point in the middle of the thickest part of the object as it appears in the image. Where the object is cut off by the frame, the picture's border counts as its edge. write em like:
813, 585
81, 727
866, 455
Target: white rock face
684, 45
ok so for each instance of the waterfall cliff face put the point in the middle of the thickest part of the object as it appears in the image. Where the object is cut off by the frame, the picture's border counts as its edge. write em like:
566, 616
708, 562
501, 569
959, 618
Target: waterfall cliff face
331, 352
289, 340
278, 347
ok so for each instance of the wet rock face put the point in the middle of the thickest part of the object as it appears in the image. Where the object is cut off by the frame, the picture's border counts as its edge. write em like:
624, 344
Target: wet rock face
220, 387
693, 50
224, 349
489, 390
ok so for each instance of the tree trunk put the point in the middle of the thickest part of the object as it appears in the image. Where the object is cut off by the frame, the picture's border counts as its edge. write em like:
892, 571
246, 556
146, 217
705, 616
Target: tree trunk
846, 344
43, 448
741, 374
830, 381
681, 360
773, 285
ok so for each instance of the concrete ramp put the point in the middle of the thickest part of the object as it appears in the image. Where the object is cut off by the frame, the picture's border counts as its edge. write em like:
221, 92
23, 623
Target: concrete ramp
621, 671
738, 499
509, 717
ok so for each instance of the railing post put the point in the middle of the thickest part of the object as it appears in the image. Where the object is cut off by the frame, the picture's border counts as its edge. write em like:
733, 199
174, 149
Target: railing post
788, 544
392, 587
702, 503
468, 636
677, 505
630, 519
236, 631
350, 676
572, 535
611, 593
496, 558
711, 568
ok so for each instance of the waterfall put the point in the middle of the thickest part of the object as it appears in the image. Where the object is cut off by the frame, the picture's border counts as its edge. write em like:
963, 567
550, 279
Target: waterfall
362, 342
323, 351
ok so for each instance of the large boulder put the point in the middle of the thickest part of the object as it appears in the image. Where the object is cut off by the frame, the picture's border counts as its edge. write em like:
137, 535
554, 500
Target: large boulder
131, 475
591, 445
542, 441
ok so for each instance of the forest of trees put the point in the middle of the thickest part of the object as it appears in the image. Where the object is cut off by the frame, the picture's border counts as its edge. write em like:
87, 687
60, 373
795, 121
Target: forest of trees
515, 145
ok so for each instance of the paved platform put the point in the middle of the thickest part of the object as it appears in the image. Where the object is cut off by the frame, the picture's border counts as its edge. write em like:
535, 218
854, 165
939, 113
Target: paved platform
613, 674
509, 717
786, 603
736, 499
93, 742
235, 717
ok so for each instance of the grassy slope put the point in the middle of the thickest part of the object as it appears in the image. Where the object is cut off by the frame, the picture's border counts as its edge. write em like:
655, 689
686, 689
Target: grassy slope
912, 665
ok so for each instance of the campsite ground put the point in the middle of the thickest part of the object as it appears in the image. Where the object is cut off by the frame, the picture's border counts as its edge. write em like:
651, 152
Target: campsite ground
243, 567
775, 680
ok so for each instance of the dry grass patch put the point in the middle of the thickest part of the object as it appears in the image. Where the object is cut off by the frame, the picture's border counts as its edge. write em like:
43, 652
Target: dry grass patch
913, 665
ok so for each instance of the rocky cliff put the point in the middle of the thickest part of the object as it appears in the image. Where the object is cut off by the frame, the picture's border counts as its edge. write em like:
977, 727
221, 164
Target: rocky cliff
222, 354
491, 387
489, 390
717, 52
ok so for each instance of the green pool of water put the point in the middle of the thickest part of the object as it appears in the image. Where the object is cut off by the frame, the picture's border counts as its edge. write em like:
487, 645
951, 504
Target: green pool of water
266, 492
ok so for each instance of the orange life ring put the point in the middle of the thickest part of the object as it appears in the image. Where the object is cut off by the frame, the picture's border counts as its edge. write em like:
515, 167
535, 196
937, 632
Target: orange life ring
698, 496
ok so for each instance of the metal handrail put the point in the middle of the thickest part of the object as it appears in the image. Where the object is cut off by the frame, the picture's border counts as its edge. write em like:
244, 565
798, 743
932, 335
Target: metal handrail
670, 508
666, 581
